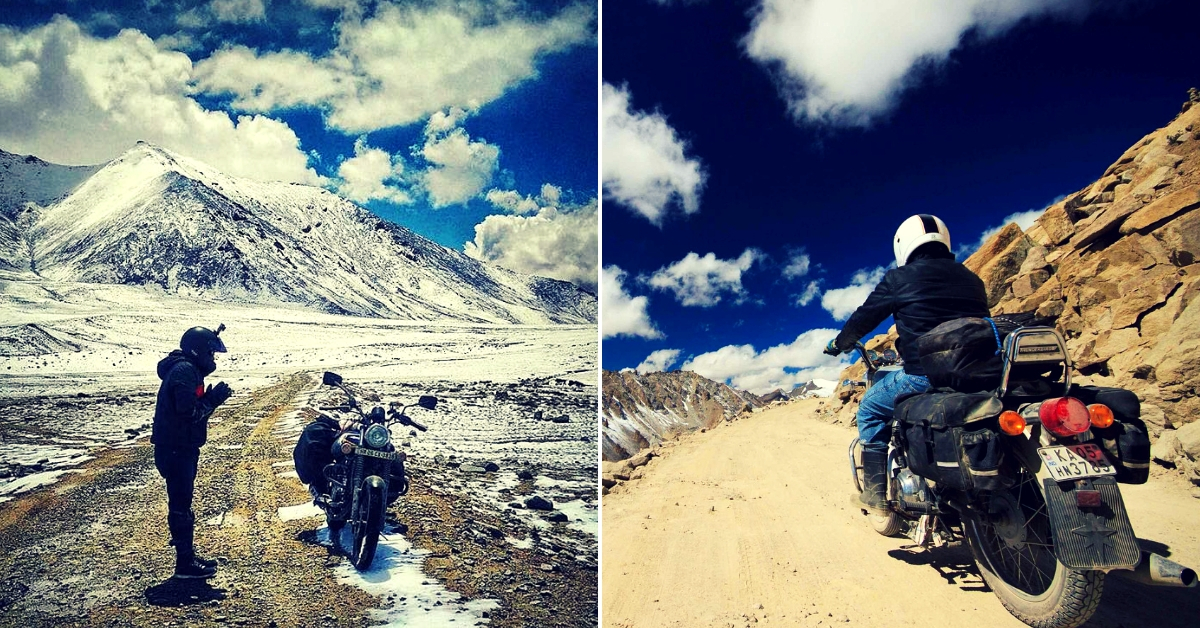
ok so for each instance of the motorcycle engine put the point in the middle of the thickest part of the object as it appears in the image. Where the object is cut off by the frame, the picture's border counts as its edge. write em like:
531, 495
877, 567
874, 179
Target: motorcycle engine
914, 492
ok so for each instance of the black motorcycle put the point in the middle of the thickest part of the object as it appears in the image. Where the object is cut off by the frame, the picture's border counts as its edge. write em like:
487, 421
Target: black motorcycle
365, 463
1026, 475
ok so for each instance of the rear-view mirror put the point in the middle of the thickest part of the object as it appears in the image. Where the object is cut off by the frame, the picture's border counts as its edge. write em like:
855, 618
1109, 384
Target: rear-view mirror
429, 402
332, 379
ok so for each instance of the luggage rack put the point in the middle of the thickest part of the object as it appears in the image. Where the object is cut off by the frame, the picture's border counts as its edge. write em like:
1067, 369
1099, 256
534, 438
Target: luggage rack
1032, 346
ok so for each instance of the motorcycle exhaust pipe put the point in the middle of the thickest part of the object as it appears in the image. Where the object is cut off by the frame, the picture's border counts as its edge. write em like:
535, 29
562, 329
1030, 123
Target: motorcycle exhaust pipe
1158, 571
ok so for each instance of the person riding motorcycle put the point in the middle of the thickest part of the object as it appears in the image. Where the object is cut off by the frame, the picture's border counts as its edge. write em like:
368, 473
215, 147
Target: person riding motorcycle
927, 288
180, 428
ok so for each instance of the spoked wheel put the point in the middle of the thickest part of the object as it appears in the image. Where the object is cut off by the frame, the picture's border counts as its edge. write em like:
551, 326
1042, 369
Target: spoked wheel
1014, 550
368, 520
886, 523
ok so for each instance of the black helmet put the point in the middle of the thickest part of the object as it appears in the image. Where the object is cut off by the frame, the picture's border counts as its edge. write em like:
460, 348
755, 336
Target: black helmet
202, 341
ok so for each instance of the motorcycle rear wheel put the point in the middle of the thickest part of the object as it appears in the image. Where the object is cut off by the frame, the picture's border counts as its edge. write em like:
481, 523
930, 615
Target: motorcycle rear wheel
1022, 571
368, 522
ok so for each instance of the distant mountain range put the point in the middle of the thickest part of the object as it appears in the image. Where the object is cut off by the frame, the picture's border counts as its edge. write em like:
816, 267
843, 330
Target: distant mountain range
152, 217
640, 410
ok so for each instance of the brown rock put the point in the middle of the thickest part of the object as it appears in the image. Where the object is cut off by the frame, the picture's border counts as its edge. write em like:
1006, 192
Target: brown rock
1056, 222
1155, 418
1035, 259
1142, 291
1111, 343
641, 459
1025, 285
1104, 221
1052, 309
1160, 177
1181, 238
1163, 209
1176, 355
1159, 321
999, 259
1105, 184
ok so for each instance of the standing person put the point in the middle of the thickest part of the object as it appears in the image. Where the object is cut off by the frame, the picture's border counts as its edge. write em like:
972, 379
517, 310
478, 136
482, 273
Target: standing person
180, 429
927, 288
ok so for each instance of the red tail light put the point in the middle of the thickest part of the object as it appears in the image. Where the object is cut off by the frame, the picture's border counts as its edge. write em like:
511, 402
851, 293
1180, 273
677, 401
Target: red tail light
1065, 416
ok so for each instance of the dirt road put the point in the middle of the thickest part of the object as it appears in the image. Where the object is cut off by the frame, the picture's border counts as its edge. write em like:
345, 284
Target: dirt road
751, 523
91, 549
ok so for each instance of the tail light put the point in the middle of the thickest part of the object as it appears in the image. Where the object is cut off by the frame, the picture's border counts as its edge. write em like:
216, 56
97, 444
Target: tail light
1100, 414
1065, 416
1011, 423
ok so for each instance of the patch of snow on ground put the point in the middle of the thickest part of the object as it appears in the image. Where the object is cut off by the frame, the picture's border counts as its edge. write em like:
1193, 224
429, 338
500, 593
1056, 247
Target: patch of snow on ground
300, 511
30, 482
395, 575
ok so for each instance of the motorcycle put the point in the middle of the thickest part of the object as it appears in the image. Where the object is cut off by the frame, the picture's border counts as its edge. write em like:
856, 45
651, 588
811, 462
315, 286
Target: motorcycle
362, 469
1048, 524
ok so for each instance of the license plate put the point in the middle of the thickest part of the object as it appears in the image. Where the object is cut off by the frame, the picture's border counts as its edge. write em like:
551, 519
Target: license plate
371, 453
1070, 462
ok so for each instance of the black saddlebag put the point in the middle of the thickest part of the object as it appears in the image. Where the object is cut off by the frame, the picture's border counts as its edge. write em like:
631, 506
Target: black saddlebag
949, 439
962, 354
312, 451
1126, 440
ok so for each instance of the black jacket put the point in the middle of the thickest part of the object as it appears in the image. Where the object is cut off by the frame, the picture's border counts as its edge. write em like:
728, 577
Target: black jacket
922, 294
180, 415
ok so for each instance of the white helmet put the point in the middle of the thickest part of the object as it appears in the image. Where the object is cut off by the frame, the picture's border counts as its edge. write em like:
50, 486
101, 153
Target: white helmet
918, 230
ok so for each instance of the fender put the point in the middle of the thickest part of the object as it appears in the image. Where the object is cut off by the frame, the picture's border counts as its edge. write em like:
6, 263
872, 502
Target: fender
1096, 538
374, 481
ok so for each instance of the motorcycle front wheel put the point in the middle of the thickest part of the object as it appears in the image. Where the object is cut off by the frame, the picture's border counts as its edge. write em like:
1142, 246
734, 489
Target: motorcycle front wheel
1014, 550
368, 520
886, 523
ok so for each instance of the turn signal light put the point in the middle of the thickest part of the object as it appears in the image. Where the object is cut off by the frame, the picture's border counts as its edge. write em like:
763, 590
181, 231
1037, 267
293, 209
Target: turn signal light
1065, 416
1100, 414
1011, 423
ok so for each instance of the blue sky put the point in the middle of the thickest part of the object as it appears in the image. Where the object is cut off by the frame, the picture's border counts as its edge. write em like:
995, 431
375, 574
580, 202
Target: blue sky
473, 123
759, 154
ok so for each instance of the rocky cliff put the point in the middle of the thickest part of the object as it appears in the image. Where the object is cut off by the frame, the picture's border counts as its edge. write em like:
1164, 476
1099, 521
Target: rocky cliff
1118, 265
642, 410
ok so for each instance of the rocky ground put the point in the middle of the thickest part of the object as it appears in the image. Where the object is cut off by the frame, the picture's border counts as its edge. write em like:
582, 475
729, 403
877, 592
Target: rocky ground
91, 548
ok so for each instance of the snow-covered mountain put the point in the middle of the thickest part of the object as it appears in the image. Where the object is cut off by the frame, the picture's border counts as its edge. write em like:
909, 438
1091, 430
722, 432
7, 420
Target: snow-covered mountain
640, 410
814, 388
151, 217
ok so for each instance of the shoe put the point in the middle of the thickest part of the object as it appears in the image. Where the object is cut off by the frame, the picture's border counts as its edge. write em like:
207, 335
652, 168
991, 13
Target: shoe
207, 562
193, 569
874, 465
320, 500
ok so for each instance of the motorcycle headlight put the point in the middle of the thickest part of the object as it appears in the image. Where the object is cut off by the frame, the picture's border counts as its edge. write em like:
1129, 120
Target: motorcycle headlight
377, 436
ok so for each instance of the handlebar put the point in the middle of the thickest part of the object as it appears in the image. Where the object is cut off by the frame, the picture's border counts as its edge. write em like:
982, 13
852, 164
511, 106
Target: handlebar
339, 408
417, 425
866, 356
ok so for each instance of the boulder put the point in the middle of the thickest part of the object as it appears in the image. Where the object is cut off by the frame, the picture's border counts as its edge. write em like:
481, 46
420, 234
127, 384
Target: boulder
1111, 343
1035, 259
1057, 224
1027, 284
1160, 177
1181, 238
641, 459
1166, 448
999, 259
608, 481
1142, 291
1159, 321
1104, 221
1189, 440
1155, 418
539, 503
1162, 209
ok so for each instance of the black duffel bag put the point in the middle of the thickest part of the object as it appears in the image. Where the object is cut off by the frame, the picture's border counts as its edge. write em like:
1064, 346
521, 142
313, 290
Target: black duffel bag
312, 451
1126, 440
962, 354
949, 439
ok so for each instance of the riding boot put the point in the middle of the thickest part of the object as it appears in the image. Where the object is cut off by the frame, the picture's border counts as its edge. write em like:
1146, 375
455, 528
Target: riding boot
874, 465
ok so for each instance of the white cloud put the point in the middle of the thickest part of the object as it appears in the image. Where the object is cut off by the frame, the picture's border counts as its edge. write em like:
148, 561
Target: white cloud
811, 291
797, 265
645, 165
782, 366
556, 242
701, 281
401, 64
658, 361
841, 302
1023, 219
512, 201
459, 168
71, 98
846, 62
621, 313
372, 174
239, 11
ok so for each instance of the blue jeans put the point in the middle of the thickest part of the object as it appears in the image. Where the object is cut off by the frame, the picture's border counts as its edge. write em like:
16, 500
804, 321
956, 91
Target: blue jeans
875, 410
